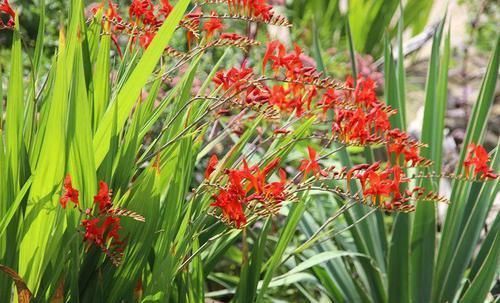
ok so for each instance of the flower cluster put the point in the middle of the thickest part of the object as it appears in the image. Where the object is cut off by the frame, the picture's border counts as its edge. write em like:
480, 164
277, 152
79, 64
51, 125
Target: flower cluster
253, 8
358, 118
383, 186
6, 9
248, 188
100, 229
145, 17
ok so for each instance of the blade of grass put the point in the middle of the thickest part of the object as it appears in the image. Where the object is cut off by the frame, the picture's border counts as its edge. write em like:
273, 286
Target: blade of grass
482, 283
286, 235
399, 267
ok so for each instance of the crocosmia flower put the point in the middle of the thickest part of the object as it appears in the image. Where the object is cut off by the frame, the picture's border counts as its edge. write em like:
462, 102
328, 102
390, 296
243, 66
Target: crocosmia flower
213, 25
5, 8
103, 198
69, 193
212, 163
311, 165
478, 158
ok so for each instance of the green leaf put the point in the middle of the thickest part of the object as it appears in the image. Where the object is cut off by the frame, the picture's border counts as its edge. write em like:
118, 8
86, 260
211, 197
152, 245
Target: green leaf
424, 229
101, 80
286, 235
14, 207
482, 283
14, 114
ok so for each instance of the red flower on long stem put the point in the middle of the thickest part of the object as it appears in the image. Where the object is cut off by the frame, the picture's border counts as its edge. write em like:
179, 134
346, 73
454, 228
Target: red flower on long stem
311, 165
478, 158
69, 193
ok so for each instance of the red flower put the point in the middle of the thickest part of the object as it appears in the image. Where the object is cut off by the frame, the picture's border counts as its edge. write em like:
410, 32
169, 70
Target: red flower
362, 176
166, 8
99, 232
478, 157
380, 119
230, 204
352, 126
365, 93
233, 79
278, 97
382, 186
111, 226
93, 232
379, 185
69, 194
211, 166
398, 178
143, 10
103, 198
246, 185
275, 52
329, 100
259, 8
146, 39
212, 25
253, 8
7, 9
400, 144
257, 95
311, 165
275, 191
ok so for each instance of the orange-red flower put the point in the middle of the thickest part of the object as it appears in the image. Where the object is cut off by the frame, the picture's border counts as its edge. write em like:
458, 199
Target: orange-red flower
93, 232
234, 79
275, 191
253, 8
260, 8
7, 9
213, 25
166, 8
401, 144
247, 184
103, 197
231, 203
146, 39
478, 158
211, 165
329, 100
143, 11
275, 53
311, 165
99, 230
69, 193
